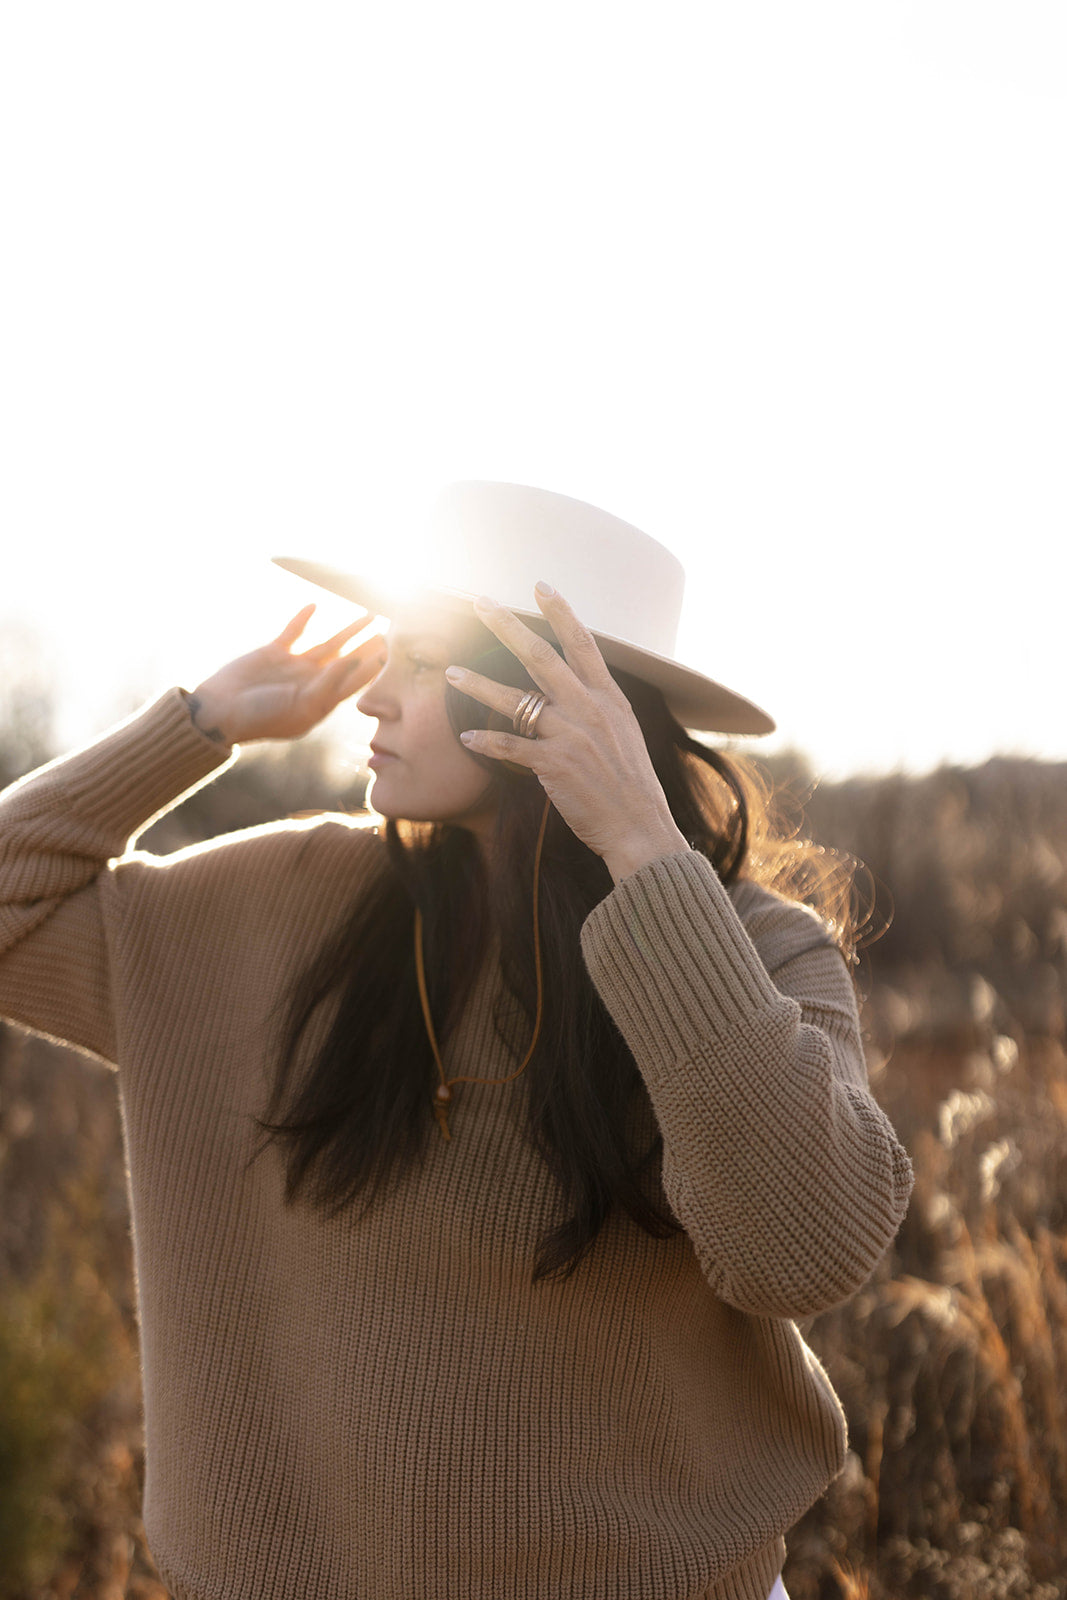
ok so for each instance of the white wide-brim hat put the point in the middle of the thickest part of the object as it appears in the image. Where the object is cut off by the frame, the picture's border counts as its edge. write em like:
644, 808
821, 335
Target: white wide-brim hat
498, 539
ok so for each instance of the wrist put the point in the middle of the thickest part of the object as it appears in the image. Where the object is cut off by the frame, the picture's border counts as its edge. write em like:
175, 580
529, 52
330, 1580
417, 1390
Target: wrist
632, 854
206, 717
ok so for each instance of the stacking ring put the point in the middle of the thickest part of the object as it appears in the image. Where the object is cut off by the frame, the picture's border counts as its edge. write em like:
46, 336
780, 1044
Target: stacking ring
527, 712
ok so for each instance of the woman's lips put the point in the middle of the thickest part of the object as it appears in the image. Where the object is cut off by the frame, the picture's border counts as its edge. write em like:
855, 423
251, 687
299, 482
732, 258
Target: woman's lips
381, 758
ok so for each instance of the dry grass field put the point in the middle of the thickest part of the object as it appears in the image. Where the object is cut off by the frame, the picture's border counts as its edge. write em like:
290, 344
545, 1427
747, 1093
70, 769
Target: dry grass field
952, 1362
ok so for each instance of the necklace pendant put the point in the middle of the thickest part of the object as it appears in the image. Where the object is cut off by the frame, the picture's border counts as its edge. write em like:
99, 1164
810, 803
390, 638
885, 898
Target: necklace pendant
442, 1101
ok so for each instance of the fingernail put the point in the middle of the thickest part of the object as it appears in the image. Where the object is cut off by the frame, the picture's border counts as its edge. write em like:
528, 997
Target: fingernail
545, 589
484, 603
453, 674
466, 738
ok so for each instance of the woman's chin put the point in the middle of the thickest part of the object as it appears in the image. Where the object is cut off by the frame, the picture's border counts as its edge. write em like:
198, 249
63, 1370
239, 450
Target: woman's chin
376, 797
388, 803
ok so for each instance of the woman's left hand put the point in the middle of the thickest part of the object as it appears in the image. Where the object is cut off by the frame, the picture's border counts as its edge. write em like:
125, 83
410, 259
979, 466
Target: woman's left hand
589, 752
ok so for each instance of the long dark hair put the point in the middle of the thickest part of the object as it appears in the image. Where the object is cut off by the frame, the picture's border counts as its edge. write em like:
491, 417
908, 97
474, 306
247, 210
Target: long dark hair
352, 1100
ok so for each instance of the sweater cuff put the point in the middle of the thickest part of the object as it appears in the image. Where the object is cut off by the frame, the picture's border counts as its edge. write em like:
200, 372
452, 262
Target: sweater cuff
138, 770
672, 962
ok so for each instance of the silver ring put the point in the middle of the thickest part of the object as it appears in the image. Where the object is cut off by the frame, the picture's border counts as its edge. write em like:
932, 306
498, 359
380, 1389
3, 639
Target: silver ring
527, 712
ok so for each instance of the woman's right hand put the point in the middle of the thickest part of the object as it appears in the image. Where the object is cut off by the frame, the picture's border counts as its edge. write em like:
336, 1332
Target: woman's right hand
273, 694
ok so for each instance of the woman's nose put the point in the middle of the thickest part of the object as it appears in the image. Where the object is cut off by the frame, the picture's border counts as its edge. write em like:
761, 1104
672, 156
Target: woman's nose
376, 700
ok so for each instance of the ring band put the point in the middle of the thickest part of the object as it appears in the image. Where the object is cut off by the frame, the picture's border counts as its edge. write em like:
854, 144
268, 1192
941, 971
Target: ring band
527, 712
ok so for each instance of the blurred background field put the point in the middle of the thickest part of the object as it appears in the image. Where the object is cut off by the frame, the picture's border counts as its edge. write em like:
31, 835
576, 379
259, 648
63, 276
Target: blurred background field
952, 1363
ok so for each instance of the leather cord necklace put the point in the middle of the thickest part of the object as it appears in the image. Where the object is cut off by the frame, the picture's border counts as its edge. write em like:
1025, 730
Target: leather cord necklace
442, 1099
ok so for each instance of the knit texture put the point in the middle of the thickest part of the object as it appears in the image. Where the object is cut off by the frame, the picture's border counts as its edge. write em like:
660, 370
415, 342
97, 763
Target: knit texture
388, 1408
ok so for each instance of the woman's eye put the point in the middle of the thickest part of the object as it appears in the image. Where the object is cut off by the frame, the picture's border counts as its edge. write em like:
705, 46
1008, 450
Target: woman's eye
420, 664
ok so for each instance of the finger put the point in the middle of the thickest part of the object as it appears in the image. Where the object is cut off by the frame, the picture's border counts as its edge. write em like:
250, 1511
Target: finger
360, 665
296, 626
331, 647
502, 747
497, 696
579, 646
343, 678
370, 656
544, 664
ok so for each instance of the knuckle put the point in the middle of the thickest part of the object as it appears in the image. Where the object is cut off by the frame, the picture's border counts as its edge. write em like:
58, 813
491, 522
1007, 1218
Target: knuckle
584, 640
541, 652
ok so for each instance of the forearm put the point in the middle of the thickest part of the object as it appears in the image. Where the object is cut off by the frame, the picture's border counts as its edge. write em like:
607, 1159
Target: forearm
60, 825
777, 1161
60, 829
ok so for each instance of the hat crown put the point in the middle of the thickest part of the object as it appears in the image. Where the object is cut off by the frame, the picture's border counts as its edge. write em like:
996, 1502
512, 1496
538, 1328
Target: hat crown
500, 538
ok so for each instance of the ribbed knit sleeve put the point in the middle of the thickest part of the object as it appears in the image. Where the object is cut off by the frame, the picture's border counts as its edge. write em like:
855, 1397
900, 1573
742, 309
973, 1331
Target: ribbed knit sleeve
59, 829
785, 1173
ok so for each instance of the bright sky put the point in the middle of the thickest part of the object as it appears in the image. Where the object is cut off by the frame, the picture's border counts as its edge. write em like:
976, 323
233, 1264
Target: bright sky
782, 284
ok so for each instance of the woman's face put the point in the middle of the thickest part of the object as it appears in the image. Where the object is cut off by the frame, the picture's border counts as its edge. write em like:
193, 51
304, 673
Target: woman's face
420, 771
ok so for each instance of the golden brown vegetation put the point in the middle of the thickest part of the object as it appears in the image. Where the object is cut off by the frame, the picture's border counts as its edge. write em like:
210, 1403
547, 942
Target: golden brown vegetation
952, 1363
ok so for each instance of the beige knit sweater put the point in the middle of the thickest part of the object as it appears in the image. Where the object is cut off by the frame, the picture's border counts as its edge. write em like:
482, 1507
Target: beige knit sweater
390, 1409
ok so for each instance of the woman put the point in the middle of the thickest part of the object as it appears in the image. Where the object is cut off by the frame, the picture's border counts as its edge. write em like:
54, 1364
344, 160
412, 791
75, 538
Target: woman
478, 1171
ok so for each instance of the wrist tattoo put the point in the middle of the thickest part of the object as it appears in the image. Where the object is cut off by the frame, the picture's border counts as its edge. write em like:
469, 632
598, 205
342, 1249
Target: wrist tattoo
193, 702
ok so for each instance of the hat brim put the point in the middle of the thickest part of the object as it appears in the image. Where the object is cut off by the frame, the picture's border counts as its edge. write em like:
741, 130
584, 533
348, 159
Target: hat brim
698, 702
